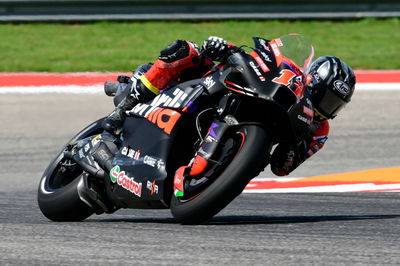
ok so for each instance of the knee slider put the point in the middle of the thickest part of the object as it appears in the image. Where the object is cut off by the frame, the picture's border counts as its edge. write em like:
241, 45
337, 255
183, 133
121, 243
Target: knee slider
175, 51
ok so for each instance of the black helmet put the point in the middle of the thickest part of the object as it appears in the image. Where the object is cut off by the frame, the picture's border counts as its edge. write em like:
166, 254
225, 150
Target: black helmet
331, 86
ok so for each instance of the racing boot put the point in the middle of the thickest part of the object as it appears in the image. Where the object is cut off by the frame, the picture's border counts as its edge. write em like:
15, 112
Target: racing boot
139, 93
114, 121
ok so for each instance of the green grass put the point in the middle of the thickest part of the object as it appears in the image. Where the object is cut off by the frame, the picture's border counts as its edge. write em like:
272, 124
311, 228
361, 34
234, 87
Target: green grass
113, 46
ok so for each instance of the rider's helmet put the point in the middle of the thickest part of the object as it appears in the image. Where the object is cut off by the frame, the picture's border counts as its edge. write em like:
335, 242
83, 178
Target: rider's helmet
331, 84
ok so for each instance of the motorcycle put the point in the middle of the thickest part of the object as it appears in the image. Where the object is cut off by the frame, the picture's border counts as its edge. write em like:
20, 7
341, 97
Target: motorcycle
194, 147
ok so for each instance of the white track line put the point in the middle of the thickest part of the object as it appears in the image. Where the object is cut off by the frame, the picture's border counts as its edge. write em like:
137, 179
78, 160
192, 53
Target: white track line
98, 88
332, 188
377, 86
70, 89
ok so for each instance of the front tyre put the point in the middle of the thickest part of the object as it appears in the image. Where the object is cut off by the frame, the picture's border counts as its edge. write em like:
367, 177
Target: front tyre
249, 160
58, 195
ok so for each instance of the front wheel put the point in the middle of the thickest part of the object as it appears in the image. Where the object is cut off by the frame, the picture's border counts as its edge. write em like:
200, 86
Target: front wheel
250, 145
58, 195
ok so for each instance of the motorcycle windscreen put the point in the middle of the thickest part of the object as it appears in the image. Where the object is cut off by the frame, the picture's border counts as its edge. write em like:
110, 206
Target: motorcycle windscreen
297, 48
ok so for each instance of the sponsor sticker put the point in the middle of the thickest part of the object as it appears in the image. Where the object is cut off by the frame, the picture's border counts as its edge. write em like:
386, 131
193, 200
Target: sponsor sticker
162, 99
153, 162
275, 49
342, 87
266, 57
263, 44
209, 82
128, 183
308, 111
299, 86
261, 63
165, 119
304, 119
152, 187
255, 68
131, 153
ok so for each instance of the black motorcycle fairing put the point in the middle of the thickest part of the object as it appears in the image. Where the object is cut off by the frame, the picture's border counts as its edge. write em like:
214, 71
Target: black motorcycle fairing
244, 75
139, 178
142, 166
139, 167
155, 140
82, 152
272, 102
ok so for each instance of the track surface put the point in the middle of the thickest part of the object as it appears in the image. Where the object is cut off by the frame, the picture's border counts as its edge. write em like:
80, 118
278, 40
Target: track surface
256, 229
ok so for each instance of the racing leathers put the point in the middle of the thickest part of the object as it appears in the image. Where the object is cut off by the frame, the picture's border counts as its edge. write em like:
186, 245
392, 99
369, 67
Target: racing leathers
286, 158
176, 63
182, 60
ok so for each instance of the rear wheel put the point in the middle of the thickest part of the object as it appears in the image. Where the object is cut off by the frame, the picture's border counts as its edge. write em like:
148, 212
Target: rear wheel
58, 195
242, 156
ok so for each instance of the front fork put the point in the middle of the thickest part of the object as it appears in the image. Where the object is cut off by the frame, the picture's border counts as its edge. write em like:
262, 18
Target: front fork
204, 153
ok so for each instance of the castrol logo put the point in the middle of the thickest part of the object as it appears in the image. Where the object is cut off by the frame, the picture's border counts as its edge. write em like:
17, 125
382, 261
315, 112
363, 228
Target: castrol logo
119, 177
342, 87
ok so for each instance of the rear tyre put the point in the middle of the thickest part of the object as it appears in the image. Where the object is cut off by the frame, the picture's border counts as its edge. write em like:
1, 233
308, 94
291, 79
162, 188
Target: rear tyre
248, 161
58, 195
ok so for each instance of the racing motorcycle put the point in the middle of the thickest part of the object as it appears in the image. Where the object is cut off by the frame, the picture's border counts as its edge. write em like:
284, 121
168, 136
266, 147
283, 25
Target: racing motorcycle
194, 147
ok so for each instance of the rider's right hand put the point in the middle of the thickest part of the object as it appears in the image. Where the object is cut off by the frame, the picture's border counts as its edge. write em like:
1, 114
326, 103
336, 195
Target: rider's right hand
215, 48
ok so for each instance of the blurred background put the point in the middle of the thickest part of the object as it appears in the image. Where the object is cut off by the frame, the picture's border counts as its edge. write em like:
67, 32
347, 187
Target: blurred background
256, 229
118, 35
92, 10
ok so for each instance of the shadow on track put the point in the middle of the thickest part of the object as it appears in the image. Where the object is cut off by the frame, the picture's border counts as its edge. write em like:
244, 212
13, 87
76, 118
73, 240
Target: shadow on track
232, 220
240, 220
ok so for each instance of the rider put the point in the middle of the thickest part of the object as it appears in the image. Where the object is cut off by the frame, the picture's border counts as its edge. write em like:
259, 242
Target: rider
330, 82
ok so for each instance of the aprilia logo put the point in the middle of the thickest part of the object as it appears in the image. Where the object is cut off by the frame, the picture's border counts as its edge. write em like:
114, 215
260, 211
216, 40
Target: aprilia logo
163, 100
164, 118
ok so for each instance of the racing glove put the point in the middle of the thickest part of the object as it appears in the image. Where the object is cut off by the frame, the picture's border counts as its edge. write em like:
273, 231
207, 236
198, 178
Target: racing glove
215, 48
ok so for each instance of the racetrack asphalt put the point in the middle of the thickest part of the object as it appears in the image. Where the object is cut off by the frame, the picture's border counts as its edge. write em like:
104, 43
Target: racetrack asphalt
255, 229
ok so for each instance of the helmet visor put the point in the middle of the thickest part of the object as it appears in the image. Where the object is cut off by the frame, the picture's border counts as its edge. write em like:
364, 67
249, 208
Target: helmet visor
330, 104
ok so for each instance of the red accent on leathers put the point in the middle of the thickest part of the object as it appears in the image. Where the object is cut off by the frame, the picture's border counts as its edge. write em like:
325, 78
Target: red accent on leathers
161, 74
320, 135
315, 143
